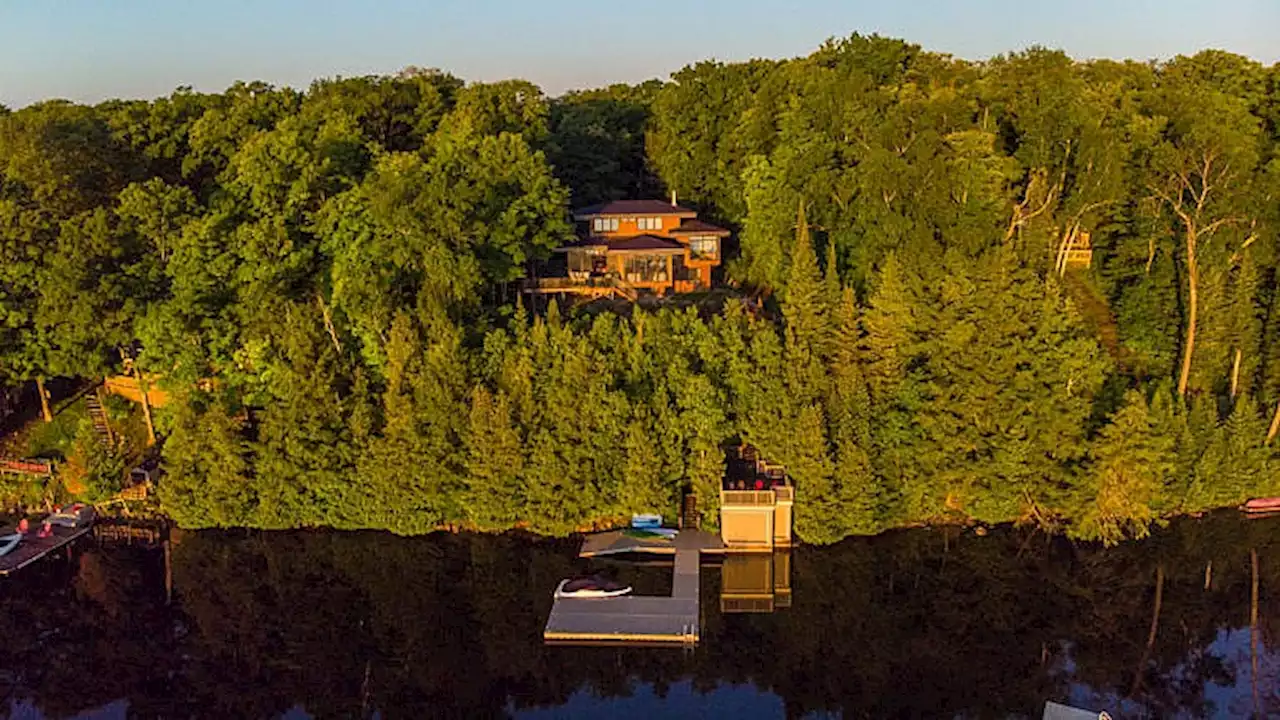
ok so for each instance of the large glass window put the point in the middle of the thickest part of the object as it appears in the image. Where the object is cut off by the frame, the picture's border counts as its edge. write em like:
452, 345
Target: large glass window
646, 268
702, 246
649, 223
585, 262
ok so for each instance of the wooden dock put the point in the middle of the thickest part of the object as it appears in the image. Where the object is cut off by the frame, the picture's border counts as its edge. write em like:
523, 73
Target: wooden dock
634, 618
33, 548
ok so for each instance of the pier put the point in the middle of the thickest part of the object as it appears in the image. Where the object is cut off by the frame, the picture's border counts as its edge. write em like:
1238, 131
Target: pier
33, 548
756, 502
637, 619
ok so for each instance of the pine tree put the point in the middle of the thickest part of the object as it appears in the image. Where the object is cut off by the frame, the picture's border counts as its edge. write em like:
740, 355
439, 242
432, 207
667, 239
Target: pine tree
1236, 464
849, 418
818, 509
1244, 326
1128, 471
495, 458
889, 324
805, 307
209, 479
832, 286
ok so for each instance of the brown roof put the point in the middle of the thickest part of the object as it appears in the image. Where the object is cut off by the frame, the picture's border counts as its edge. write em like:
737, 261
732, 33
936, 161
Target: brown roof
633, 207
633, 243
698, 227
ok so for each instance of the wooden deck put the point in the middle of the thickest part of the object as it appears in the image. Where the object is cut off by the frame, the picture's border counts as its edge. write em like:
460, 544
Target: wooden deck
634, 618
33, 548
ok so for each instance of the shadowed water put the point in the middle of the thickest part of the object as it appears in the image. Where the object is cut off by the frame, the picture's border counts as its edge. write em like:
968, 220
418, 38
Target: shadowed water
920, 623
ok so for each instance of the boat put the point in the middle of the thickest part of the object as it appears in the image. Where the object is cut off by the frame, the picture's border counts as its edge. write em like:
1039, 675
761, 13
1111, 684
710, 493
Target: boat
646, 521
656, 533
72, 516
1262, 505
1058, 711
591, 587
9, 542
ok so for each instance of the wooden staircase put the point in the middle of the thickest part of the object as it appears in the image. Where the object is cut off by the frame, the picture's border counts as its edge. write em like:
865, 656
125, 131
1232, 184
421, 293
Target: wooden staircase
97, 413
626, 289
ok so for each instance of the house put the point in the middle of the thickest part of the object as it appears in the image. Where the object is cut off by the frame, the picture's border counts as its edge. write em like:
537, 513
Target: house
630, 246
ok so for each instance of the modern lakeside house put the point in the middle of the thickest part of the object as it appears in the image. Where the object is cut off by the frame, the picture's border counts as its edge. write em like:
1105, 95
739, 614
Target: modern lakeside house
626, 247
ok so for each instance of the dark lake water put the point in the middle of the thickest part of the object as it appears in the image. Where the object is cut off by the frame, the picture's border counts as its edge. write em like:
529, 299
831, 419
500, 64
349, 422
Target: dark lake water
919, 623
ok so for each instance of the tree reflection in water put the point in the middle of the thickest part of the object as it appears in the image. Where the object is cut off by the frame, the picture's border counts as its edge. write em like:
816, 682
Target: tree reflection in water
908, 624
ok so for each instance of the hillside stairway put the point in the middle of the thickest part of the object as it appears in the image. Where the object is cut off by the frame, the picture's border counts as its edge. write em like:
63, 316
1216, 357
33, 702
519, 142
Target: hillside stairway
1097, 315
625, 289
97, 413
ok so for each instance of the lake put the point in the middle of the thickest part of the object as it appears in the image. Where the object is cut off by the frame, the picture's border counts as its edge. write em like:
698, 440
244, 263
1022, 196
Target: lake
914, 623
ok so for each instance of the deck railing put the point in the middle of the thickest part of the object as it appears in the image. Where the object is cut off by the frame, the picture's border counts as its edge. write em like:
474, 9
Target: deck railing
21, 466
747, 497
1079, 257
569, 284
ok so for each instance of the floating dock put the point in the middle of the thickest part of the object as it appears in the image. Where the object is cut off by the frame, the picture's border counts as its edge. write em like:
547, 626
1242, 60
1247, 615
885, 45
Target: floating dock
637, 619
33, 548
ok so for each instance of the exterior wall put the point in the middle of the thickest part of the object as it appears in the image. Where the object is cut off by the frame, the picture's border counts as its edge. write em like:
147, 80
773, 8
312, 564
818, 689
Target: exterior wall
782, 515
756, 519
703, 269
747, 528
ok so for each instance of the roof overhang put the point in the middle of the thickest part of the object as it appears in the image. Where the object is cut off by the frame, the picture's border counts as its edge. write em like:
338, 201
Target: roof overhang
720, 232
587, 216
648, 251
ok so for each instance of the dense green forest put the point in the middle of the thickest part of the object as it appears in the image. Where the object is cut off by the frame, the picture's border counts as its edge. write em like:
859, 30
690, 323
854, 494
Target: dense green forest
327, 281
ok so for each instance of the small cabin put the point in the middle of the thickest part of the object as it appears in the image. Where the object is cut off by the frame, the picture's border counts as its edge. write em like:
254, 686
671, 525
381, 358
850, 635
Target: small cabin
129, 387
1078, 250
756, 502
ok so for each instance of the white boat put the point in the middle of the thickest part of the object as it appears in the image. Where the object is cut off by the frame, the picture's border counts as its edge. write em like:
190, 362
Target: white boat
9, 542
592, 587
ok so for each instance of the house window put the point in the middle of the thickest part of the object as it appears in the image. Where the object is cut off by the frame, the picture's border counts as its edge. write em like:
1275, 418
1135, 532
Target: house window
649, 223
646, 268
702, 246
605, 224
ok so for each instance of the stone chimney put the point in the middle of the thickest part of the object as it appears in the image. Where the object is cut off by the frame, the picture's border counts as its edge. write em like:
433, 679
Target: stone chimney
673, 198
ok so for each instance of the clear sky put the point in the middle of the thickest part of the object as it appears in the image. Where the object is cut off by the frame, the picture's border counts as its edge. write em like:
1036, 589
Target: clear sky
88, 50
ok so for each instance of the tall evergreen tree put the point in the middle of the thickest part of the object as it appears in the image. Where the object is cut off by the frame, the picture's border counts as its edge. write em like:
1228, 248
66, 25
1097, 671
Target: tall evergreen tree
1129, 469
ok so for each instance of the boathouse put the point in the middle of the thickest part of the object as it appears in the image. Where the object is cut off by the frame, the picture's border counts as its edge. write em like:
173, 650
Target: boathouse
756, 502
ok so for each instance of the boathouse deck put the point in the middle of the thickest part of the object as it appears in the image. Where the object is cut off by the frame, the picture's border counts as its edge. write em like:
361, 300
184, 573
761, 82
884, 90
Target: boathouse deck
635, 618
33, 548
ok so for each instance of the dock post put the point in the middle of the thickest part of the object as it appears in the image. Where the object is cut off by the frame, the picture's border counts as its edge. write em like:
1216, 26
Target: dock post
168, 572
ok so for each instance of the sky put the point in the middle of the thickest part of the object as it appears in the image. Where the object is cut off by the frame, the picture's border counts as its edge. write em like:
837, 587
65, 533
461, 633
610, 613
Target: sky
91, 50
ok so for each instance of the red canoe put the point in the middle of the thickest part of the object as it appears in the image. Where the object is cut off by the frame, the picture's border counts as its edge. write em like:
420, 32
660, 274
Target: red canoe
1261, 505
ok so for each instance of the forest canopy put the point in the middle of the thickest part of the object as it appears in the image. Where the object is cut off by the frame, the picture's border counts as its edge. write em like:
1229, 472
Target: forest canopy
328, 284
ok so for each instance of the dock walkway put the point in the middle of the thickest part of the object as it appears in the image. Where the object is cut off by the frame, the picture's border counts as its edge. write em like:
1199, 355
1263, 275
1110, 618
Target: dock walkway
636, 618
33, 548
